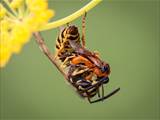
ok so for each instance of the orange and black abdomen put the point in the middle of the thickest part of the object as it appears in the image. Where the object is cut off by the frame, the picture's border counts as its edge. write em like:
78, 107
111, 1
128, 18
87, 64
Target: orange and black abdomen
63, 47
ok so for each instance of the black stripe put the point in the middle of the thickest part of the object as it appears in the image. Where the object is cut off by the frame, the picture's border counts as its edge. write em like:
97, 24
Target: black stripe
62, 34
58, 40
67, 46
73, 38
66, 43
57, 47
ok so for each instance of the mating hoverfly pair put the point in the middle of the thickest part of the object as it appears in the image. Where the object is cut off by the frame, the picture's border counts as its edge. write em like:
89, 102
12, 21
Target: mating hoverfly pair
84, 69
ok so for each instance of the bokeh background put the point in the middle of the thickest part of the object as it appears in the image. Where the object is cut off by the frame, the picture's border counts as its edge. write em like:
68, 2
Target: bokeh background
126, 34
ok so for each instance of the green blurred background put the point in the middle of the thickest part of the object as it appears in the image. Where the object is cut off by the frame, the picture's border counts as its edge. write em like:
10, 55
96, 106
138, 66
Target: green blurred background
125, 32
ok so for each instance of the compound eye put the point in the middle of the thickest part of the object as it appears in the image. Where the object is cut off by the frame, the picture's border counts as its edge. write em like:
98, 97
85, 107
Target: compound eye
106, 68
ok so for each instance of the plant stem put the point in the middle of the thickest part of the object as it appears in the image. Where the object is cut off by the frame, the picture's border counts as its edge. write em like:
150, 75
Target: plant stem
71, 17
46, 51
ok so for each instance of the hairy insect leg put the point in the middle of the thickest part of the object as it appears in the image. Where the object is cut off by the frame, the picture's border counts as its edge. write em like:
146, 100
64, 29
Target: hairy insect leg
83, 29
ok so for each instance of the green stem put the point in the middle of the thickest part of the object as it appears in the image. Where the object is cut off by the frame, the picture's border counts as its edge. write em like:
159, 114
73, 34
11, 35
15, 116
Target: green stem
71, 17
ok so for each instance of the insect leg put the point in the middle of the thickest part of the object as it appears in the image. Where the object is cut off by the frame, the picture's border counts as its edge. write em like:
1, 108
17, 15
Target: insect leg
102, 91
83, 29
107, 96
98, 83
70, 71
66, 60
99, 93
104, 82
89, 100
88, 97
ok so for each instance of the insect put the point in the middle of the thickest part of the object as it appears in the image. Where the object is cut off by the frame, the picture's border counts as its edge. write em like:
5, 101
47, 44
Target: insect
85, 70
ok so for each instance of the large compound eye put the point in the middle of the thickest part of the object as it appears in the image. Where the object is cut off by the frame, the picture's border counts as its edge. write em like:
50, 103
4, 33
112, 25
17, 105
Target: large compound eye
106, 68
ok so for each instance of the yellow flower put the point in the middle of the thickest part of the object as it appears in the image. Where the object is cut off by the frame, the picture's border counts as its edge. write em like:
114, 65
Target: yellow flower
16, 3
17, 26
2, 11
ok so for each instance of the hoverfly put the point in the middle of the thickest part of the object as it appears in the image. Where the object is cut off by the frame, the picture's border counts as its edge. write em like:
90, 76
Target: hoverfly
85, 70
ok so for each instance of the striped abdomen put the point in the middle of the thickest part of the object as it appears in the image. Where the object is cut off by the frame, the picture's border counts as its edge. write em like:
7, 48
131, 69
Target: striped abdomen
63, 47
81, 84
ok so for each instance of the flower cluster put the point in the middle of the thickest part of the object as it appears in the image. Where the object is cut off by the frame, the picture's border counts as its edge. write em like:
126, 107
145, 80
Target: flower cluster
18, 22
